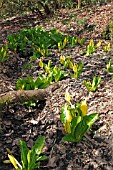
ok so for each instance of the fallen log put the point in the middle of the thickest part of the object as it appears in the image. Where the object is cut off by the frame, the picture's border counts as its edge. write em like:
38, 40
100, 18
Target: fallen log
27, 95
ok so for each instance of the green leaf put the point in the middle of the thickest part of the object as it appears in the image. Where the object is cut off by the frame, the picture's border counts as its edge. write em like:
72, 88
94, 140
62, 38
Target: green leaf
38, 82
110, 70
25, 83
74, 123
63, 115
109, 67
96, 81
42, 82
24, 151
44, 85
38, 146
37, 165
36, 151
41, 158
90, 119
29, 160
69, 138
19, 84
80, 130
78, 110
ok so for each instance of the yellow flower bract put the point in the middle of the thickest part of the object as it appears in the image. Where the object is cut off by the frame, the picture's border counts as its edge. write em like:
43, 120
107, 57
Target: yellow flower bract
47, 69
5, 54
67, 96
67, 127
84, 107
68, 114
99, 44
70, 64
62, 59
75, 68
41, 63
13, 161
59, 44
65, 42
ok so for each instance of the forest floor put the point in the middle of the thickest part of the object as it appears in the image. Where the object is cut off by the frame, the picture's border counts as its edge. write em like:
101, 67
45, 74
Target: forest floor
94, 152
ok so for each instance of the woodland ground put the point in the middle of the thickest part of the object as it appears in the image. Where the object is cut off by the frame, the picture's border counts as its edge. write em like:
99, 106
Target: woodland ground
19, 122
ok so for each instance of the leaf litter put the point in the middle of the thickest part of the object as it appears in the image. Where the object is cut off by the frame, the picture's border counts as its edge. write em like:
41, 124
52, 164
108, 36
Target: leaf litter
19, 122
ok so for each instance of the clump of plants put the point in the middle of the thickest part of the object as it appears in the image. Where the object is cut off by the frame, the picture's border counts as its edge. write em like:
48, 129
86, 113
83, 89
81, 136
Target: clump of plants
91, 47
51, 74
109, 67
30, 159
68, 62
36, 42
29, 83
75, 119
4, 55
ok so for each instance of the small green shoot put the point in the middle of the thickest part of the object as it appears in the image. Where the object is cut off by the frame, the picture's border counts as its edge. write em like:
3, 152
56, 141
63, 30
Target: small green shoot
92, 87
109, 67
77, 69
80, 41
90, 48
62, 45
107, 48
58, 74
67, 62
4, 56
